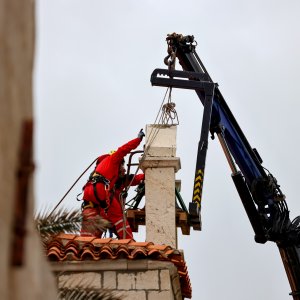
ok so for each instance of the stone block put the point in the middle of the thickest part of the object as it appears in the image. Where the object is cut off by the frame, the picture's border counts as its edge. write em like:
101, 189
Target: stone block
161, 140
89, 266
112, 265
163, 295
159, 265
126, 281
90, 280
176, 287
165, 280
109, 280
134, 295
147, 280
161, 162
140, 264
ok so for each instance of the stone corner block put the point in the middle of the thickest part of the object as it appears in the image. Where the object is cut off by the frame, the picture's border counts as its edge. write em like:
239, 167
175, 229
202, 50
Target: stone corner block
161, 162
161, 140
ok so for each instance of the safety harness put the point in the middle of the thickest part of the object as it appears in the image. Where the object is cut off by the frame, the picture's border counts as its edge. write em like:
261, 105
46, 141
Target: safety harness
94, 179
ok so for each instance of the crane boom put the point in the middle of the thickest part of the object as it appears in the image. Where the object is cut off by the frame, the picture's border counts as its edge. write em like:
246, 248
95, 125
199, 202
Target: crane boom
258, 189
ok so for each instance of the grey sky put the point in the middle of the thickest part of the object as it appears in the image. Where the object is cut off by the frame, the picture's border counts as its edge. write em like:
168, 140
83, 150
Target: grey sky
93, 93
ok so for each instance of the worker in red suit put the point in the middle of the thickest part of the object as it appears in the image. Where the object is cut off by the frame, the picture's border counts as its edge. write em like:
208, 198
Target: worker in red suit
115, 212
101, 197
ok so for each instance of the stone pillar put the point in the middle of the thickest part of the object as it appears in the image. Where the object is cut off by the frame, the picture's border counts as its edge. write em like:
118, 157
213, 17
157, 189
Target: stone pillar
160, 165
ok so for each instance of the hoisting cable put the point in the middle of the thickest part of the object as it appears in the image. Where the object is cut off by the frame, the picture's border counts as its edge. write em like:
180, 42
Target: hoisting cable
161, 118
65, 195
168, 114
151, 138
153, 133
167, 110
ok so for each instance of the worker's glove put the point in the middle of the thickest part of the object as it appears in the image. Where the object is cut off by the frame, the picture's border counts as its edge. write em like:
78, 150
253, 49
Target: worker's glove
141, 134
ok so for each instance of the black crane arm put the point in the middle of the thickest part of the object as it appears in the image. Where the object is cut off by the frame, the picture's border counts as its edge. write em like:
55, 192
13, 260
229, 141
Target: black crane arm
259, 191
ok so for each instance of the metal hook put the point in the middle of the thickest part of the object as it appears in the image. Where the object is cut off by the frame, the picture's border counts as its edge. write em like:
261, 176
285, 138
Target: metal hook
170, 60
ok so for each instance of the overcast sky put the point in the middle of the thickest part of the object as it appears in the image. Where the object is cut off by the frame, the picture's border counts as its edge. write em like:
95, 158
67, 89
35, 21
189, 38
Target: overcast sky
93, 93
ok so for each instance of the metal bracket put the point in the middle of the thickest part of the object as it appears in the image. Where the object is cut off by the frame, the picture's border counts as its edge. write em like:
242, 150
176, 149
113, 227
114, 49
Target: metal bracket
192, 81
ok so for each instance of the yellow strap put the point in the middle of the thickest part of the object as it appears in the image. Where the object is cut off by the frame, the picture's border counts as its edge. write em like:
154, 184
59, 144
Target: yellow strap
89, 205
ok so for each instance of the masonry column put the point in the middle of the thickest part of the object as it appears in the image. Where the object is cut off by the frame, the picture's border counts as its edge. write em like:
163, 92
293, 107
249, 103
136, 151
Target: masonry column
160, 165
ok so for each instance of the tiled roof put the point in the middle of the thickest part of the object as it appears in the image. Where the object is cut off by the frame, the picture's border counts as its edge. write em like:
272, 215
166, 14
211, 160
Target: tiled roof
69, 247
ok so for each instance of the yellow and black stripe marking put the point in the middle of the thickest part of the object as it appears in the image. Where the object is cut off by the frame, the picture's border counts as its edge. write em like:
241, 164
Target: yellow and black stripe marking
198, 184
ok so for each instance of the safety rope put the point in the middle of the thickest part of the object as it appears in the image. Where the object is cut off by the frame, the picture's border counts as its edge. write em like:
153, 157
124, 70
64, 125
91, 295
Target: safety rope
121, 200
65, 195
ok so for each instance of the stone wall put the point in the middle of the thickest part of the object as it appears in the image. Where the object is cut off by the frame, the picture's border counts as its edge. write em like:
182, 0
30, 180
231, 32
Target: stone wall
142, 279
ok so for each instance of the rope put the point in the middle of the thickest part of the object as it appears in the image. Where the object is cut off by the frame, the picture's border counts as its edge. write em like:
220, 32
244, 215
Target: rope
168, 112
161, 118
121, 200
65, 195
151, 138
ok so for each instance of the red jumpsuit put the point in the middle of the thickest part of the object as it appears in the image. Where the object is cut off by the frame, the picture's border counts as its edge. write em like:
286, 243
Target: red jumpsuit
108, 167
115, 211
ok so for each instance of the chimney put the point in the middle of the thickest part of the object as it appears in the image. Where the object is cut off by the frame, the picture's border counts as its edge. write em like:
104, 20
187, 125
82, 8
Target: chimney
160, 165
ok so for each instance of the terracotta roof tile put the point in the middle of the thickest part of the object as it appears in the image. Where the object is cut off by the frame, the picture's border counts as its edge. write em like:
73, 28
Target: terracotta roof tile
100, 242
119, 242
138, 252
160, 247
69, 247
140, 244
84, 239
